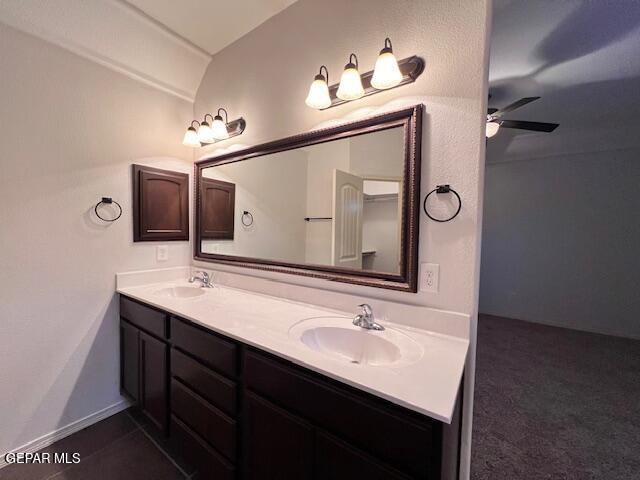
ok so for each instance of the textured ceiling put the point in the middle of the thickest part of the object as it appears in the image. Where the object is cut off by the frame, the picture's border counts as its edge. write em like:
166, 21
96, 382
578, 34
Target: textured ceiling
581, 57
210, 24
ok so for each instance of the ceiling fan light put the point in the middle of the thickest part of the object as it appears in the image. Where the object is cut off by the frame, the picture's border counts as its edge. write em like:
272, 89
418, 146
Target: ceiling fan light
492, 128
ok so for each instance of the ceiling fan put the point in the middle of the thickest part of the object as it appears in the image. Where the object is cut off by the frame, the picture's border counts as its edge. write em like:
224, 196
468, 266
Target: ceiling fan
494, 122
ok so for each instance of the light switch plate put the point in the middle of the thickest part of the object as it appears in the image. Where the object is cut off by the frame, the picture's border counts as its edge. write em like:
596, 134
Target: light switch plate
162, 253
429, 277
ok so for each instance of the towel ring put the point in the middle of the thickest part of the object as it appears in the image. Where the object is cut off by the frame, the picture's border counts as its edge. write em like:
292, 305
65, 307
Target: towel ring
442, 189
108, 201
245, 215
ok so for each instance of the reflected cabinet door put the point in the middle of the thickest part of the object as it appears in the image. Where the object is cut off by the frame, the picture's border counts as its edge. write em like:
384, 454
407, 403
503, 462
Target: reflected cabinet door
217, 206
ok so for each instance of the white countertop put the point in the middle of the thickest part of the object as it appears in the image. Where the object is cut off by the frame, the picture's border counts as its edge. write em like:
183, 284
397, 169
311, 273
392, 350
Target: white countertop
428, 385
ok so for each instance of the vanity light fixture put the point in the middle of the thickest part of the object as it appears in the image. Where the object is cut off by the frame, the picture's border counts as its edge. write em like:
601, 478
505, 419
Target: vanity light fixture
204, 133
191, 136
492, 128
386, 73
318, 96
350, 83
218, 127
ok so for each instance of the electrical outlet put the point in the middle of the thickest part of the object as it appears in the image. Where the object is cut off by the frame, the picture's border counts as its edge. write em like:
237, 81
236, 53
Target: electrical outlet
162, 253
429, 277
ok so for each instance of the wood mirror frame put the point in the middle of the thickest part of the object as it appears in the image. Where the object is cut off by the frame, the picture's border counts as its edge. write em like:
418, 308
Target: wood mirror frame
407, 280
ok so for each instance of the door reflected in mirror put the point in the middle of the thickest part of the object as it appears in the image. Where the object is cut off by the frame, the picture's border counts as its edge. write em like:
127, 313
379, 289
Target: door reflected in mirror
337, 203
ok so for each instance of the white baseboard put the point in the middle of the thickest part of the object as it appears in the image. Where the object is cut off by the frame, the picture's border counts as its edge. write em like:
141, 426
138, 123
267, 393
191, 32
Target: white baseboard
73, 427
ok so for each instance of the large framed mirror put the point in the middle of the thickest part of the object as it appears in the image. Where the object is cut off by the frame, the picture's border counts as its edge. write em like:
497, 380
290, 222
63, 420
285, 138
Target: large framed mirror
340, 203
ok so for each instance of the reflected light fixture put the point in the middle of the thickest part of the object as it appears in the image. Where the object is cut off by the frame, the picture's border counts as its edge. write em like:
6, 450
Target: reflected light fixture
219, 127
386, 73
205, 134
191, 136
492, 128
350, 83
318, 96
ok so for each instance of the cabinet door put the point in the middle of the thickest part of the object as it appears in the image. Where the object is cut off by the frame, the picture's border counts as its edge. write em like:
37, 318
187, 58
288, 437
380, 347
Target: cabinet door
279, 445
153, 380
160, 204
217, 203
129, 361
337, 460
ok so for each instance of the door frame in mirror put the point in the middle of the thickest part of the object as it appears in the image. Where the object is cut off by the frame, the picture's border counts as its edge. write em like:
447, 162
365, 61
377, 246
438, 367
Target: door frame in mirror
407, 280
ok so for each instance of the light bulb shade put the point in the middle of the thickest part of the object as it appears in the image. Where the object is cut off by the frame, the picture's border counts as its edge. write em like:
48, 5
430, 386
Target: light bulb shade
318, 96
205, 134
219, 128
350, 84
386, 73
191, 138
492, 129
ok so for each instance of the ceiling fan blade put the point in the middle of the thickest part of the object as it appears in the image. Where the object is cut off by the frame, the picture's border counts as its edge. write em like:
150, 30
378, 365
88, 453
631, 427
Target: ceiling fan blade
534, 126
513, 106
491, 111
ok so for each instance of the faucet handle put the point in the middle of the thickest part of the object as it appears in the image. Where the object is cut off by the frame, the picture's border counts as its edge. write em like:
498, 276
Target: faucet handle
366, 309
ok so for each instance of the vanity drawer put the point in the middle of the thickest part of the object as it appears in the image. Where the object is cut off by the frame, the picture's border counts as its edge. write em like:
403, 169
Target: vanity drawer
221, 392
207, 421
210, 465
209, 348
385, 431
147, 318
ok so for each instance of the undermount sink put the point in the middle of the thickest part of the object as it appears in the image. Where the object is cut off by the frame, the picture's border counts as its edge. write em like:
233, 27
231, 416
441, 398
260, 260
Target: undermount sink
336, 337
180, 292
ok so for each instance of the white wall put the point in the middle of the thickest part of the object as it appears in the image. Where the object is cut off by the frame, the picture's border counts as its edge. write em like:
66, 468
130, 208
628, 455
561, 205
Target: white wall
380, 233
265, 76
561, 236
323, 160
273, 189
70, 131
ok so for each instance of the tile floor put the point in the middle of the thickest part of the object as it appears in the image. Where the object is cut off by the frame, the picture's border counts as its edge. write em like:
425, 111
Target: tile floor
115, 448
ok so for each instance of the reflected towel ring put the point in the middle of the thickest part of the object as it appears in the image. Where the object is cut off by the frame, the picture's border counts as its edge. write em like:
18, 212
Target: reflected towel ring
246, 219
108, 201
442, 189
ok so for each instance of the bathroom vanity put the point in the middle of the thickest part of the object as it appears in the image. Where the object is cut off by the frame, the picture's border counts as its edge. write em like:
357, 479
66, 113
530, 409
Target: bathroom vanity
250, 386
227, 376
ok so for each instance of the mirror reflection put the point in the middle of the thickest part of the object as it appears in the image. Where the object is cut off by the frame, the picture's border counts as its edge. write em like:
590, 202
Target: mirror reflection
337, 203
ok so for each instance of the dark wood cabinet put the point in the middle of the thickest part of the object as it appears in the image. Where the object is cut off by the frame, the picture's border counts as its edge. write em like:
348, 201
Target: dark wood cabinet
129, 360
160, 204
153, 380
217, 207
237, 412
144, 360
279, 445
337, 460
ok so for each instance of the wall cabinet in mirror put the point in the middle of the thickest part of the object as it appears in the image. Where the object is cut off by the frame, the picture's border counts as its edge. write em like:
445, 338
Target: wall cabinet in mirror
339, 203
217, 209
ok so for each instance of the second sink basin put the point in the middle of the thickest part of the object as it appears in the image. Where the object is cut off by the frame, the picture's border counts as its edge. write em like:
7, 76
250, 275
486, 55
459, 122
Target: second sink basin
180, 292
338, 338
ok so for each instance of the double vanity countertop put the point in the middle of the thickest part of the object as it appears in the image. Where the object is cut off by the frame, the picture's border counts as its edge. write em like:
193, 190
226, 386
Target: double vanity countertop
422, 372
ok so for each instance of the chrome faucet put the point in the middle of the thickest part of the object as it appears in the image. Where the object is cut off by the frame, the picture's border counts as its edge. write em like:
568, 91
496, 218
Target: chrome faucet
207, 282
366, 320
